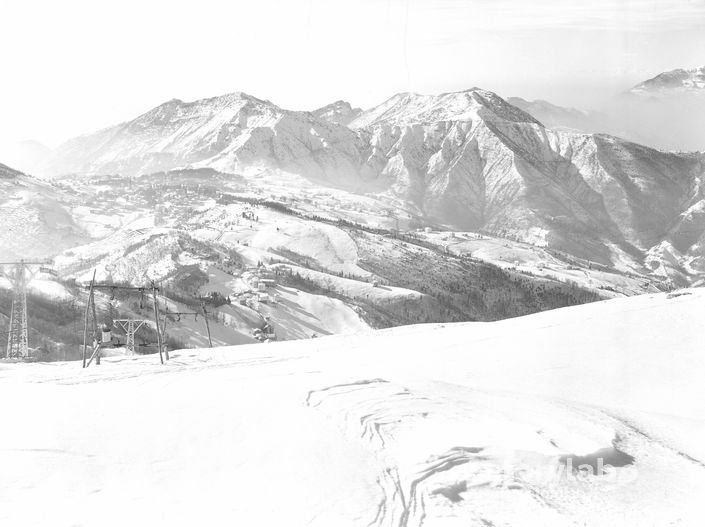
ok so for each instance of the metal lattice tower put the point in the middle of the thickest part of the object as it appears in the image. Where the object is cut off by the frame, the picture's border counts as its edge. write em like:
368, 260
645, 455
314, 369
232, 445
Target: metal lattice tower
130, 327
20, 274
18, 334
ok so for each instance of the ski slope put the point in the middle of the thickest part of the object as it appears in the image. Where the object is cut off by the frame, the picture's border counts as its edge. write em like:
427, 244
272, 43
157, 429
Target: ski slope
448, 424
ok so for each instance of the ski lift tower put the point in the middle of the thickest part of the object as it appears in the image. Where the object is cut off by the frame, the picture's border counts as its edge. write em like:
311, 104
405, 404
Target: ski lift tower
130, 326
19, 274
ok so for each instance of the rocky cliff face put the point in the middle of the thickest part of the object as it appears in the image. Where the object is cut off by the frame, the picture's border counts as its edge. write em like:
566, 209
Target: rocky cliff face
339, 112
473, 161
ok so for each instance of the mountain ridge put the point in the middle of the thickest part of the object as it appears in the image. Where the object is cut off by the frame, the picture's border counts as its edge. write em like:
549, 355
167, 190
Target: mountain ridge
338, 112
469, 160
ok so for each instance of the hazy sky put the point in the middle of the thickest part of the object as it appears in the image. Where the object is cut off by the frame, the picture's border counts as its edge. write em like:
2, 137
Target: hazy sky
73, 66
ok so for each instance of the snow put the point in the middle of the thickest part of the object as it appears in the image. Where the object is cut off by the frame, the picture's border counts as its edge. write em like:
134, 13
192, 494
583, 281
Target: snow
50, 289
354, 289
35, 219
46, 288
298, 314
294, 314
329, 246
465, 160
537, 260
447, 424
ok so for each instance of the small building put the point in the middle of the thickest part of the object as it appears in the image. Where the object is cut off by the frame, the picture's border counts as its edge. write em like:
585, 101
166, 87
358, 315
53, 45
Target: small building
106, 336
268, 282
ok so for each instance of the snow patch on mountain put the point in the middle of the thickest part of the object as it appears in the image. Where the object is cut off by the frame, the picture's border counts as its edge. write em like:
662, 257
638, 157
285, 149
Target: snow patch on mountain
230, 133
411, 108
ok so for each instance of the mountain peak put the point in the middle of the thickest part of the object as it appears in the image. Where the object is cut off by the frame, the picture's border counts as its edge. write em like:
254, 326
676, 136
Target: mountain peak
176, 110
408, 108
235, 96
338, 112
692, 79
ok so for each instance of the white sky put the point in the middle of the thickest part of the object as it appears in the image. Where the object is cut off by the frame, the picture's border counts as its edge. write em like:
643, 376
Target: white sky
72, 66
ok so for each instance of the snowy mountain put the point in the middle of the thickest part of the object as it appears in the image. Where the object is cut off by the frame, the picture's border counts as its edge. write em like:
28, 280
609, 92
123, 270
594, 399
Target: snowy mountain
667, 111
339, 112
232, 133
587, 416
468, 160
471, 159
678, 80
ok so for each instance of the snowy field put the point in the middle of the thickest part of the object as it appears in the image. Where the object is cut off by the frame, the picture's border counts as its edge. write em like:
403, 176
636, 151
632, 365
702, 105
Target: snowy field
470, 424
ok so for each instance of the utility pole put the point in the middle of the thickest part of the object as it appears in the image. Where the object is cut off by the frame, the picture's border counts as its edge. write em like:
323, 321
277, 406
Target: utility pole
205, 317
19, 276
156, 323
95, 344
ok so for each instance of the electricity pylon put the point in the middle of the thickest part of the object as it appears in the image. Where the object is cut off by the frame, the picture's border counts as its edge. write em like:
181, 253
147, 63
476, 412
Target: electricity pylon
19, 275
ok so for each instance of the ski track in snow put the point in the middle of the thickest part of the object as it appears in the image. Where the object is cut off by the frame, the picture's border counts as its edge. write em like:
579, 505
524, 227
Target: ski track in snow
425, 425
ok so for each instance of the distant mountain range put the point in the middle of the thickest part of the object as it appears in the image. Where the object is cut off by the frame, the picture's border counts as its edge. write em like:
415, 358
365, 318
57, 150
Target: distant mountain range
665, 112
679, 80
562, 118
468, 160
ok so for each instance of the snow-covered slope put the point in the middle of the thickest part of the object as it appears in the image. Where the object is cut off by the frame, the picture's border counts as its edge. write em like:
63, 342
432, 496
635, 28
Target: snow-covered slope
36, 219
470, 424
233, 132
412, 108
